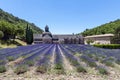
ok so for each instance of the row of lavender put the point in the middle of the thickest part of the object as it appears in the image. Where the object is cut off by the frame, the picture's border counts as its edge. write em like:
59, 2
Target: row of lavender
87, 49
27, 52
42, 54
98, 58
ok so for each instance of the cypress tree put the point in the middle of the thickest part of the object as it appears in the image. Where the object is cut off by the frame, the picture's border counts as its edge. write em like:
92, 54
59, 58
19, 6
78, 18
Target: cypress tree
29, 35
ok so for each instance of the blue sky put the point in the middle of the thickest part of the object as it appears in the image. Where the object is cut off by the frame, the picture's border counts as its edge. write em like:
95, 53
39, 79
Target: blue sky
64, 16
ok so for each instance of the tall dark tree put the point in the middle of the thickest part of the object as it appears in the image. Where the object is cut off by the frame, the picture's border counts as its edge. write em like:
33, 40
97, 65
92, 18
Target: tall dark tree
116, 38
1, 34
29, 35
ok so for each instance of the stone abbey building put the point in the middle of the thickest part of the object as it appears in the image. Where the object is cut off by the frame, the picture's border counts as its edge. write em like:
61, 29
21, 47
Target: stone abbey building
49, 38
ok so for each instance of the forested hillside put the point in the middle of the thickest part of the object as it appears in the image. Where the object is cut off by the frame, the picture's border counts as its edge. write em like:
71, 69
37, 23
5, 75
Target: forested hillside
103, 29
11, 25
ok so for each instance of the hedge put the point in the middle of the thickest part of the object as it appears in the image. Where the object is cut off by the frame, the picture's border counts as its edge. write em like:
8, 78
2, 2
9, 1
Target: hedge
108, 46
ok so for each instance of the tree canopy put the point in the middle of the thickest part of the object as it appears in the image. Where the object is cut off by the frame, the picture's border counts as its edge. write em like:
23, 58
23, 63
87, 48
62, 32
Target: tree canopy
116, 38
13, 26
103, 29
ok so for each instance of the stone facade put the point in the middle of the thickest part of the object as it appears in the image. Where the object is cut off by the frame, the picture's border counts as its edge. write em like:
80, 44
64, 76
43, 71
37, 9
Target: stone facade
99, 39
48, 37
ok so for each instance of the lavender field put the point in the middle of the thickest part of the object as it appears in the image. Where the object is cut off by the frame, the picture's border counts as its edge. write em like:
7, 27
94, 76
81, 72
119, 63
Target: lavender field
59, 61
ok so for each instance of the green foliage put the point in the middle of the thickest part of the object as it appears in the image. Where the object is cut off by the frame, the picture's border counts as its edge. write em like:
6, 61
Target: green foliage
29, 35
2, 61
74, 62
58, 66
103, 71
111, 59
7, 29
108, 46
103, 29
118, 62
108, 63
92, 64
116, 38
41, 69
59, 69
30, 63
13, 26
10, 58
1, 34
90, 55
89, 41
81, 69
21, 69
2, 69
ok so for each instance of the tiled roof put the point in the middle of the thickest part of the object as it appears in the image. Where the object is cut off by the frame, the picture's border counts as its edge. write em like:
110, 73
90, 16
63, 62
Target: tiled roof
102, 35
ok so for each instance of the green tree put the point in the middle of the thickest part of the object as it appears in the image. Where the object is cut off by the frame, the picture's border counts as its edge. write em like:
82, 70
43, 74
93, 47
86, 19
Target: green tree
1, 34
116, 38
7, 29
89, 41
29, 35
103, 29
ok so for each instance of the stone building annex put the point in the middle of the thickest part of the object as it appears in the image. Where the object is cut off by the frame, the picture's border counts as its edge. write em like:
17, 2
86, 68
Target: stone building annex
48, 37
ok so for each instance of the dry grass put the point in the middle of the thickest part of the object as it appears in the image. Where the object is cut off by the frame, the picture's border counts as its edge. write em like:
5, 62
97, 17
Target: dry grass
17, 61
31, 74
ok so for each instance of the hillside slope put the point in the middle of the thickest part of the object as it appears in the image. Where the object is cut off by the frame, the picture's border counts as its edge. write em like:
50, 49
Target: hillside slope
17, 22
102, 29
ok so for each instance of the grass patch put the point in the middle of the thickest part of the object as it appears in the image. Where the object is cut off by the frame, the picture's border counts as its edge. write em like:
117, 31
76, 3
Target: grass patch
90, 55
81, 69
92, 64
21, 69
2, 61
59, 69
103, 71
108, 63
10, 58
74, 62
89, 61
2, 69
41, 69
29, 63
118, 62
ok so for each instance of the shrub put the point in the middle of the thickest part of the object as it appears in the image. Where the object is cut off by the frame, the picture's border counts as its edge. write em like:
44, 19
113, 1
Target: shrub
92, 64
90, 55
89, 61
1, 34
74, 62
59, 69
81, 69
21, 69
118, 61
96, 58
111, 59
108, 63
109, 46
103, 71
2, 61
41, 69
10, 58
30, 63
2, 68
58, 66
